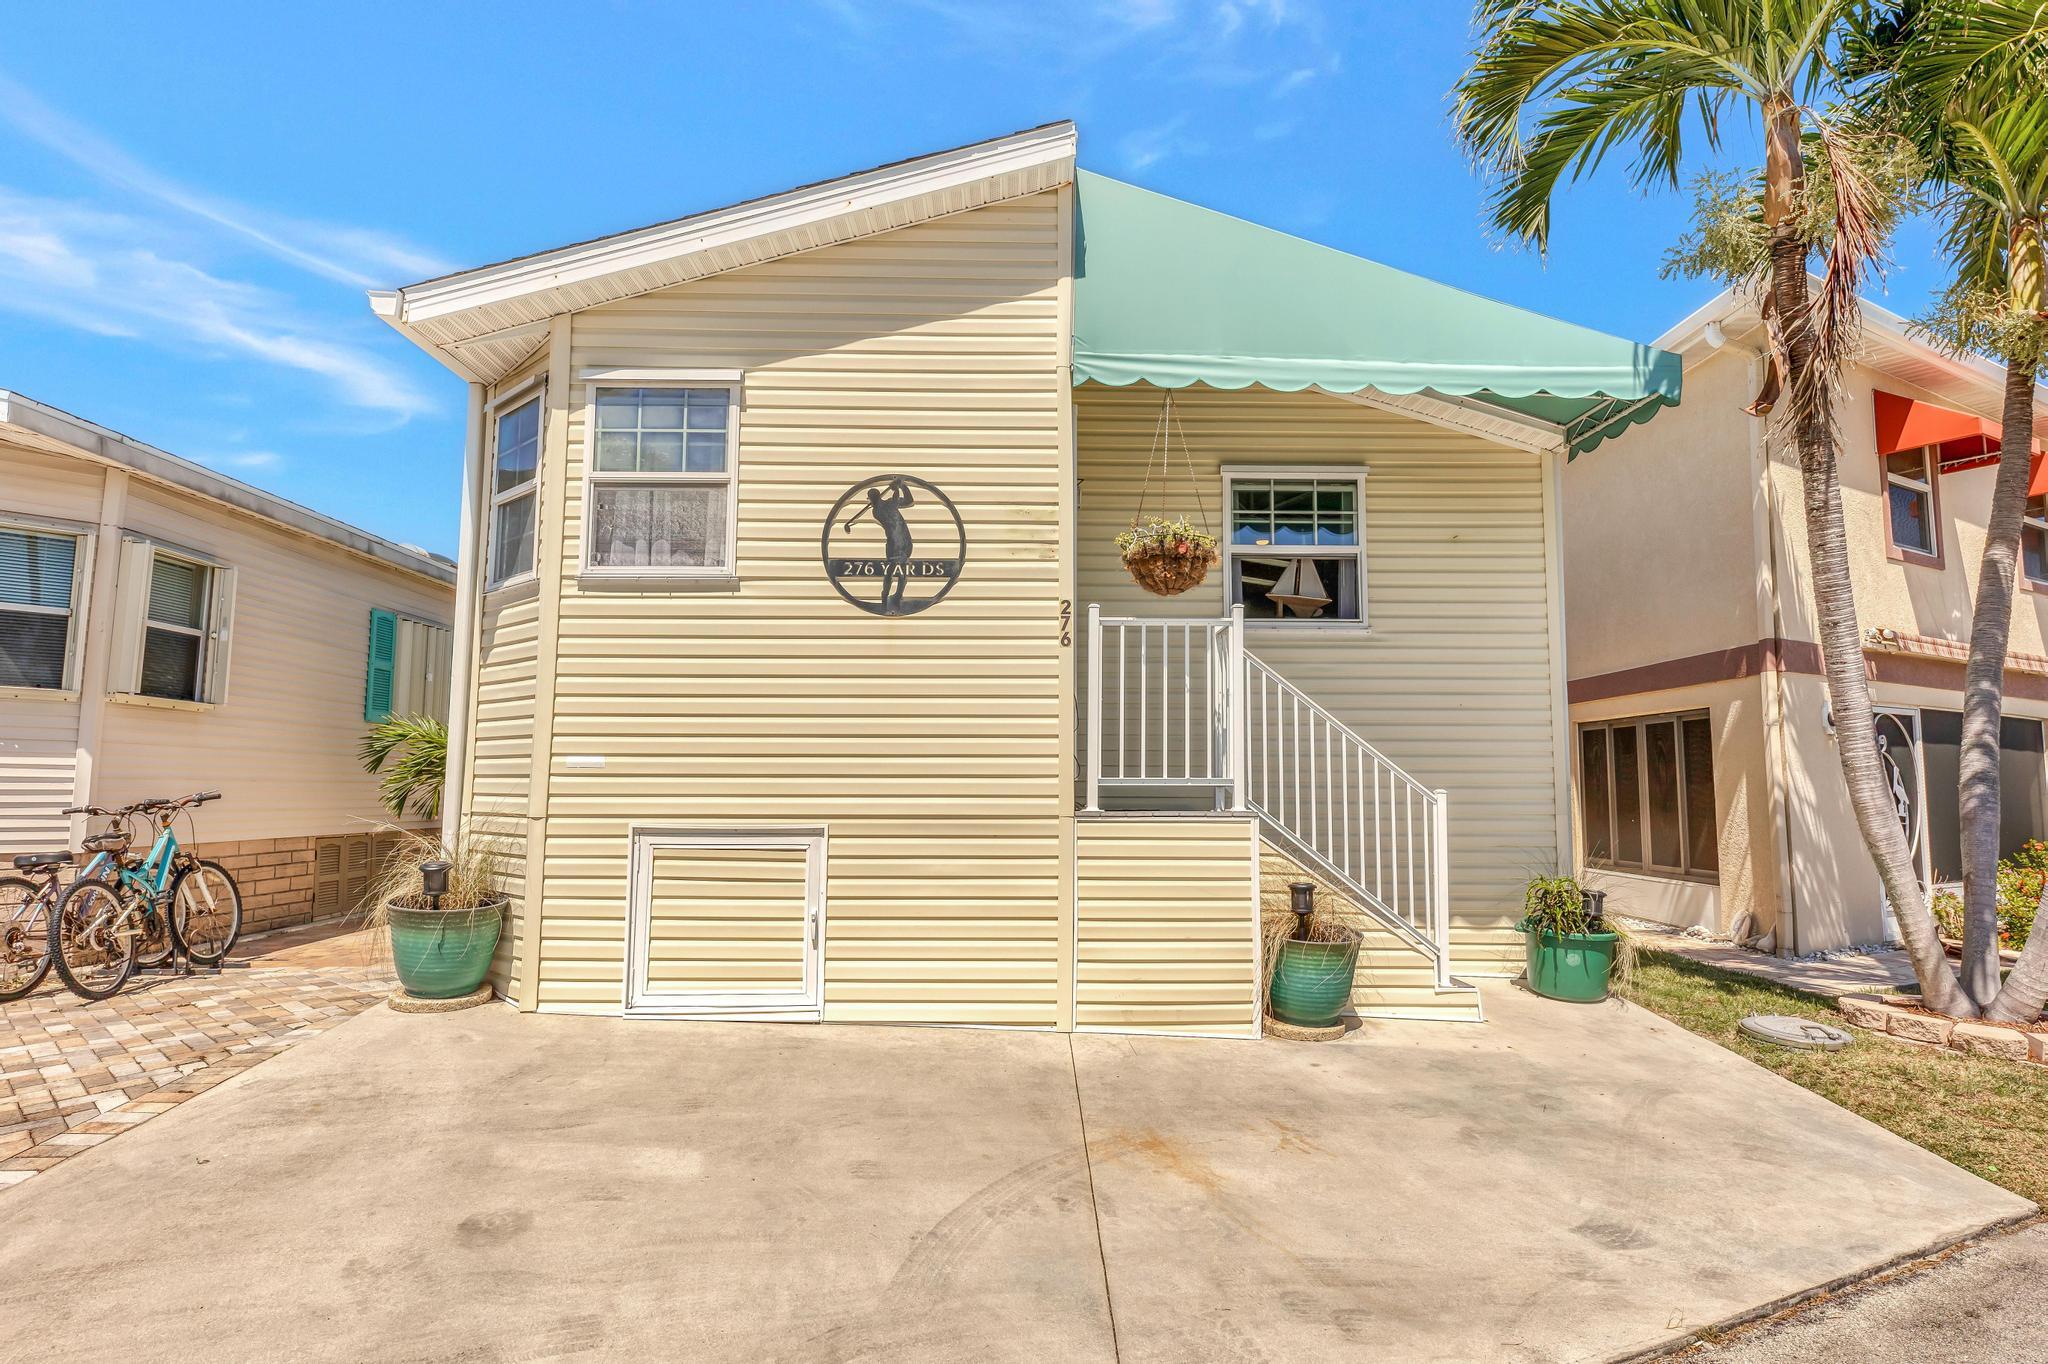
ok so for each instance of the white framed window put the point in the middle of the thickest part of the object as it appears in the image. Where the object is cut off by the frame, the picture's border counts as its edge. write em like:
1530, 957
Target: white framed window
2034, 542
515, 490
43, 574
1910, 505
1294, 544
661, 493
1646, 795
172, 613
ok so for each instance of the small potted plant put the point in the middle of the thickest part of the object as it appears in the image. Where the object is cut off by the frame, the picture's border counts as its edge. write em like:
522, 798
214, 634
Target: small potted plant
445, 911
1313, 955
1572, 948
1167, 557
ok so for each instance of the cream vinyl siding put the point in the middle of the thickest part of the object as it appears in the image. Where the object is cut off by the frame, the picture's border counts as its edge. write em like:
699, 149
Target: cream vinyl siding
282, 746
929, 744
1452, 680
501, 758
727, 920
1166, 926
39, 729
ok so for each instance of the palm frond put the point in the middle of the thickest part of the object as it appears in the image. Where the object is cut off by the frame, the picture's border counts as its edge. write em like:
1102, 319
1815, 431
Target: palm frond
415, 748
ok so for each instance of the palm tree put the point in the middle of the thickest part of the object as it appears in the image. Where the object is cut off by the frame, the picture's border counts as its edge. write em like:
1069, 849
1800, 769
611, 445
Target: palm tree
416, 746
1964, 79
1555, 85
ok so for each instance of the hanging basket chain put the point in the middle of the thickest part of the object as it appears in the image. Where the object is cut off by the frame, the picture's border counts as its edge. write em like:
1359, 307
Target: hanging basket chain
1164, 555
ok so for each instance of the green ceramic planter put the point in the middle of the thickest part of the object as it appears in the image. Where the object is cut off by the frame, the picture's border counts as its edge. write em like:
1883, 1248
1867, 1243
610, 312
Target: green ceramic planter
1312, 982
1569, 966
444, 954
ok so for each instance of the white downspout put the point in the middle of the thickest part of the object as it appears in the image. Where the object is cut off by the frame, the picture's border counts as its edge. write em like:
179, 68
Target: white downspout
468, 570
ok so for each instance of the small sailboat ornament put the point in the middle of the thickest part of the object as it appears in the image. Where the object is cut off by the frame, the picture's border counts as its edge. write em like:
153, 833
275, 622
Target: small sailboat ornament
1300, 588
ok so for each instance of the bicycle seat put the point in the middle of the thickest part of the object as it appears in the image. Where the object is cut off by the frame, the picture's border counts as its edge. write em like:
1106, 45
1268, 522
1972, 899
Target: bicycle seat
112, 841
31, 861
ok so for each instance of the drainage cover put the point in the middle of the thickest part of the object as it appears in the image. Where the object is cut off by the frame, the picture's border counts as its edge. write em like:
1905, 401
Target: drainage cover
1787, 1031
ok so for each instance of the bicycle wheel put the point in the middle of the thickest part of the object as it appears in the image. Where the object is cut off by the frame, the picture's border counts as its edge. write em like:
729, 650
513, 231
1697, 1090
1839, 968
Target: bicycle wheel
24, 936
206, 912
93, 939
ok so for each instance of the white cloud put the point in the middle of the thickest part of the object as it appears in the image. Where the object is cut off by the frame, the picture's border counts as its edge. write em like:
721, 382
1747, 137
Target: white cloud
361, 257
243, 459
1149, 146
107, 273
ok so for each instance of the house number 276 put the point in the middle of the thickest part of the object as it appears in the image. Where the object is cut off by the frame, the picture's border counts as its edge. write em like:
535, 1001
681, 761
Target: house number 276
1066, 622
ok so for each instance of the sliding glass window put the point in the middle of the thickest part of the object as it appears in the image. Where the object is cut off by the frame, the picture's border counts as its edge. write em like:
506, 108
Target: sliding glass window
1646, 795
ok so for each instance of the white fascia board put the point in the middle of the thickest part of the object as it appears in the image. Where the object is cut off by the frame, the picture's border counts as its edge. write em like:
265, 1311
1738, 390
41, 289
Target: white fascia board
795, 209
54, 426
1887, 337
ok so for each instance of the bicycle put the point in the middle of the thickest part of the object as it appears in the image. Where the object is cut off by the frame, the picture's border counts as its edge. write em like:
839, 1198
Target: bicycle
101, 926
27, 898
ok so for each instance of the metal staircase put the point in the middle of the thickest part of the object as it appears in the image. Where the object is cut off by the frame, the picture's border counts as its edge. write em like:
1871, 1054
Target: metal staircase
1180, 706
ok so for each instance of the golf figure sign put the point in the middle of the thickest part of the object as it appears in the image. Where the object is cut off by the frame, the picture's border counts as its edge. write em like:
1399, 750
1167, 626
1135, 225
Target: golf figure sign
893, 545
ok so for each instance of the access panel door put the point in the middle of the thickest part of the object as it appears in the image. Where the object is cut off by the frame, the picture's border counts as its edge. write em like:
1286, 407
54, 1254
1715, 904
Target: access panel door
727, 924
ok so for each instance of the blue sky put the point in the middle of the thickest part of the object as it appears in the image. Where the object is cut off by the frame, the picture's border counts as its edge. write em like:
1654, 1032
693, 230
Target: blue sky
193, 199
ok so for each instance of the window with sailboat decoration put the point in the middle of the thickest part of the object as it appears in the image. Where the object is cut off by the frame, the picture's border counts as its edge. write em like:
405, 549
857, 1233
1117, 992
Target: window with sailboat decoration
1296, 546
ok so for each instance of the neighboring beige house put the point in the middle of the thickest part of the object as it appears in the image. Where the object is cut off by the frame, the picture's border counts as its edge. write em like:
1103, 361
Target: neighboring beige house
1710, 792
165, 629
787, 530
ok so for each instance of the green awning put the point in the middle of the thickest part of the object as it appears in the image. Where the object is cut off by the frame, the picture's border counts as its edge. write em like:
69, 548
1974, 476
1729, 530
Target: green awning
1171, 294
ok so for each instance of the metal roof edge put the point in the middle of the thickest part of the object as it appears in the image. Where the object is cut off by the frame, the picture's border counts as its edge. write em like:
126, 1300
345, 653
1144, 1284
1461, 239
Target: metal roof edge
98, 442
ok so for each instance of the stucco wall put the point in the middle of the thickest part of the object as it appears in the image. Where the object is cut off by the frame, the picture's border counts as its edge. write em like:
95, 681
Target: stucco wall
1660, 545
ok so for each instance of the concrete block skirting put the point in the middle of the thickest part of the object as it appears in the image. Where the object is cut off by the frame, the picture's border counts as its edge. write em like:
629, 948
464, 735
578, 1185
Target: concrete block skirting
1880, 1013
275, 876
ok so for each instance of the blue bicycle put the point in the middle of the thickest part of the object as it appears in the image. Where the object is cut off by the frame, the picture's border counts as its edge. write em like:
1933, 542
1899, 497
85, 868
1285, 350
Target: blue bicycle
115, 917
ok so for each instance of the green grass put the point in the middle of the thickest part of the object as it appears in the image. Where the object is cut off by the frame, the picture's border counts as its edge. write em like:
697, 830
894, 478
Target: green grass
1990, 1117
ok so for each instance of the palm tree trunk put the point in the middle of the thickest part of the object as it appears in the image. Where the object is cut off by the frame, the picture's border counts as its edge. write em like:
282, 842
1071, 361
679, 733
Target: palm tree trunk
2026, 989
1827, 543
1984, 701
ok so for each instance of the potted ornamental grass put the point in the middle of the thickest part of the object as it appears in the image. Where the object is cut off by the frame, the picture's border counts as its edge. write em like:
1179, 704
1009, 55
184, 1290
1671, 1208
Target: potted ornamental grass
1311, 954
1573, 950
443, 906
1166, 556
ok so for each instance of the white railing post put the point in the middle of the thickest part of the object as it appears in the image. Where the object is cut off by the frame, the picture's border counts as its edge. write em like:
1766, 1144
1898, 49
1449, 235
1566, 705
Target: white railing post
1094, 706
1440, 885
1236, 682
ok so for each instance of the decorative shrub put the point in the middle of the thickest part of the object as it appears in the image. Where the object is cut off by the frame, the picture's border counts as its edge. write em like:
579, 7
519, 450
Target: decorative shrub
1557, 904
2020, 881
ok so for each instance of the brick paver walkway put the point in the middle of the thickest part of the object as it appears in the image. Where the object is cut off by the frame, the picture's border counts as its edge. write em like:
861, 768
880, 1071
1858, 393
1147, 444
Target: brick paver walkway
75, 1073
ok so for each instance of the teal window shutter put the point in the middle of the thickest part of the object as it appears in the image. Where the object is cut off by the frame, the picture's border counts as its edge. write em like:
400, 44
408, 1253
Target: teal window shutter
383, 662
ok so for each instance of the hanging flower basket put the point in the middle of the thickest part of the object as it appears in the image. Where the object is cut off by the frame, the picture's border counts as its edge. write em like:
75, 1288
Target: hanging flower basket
1166, 558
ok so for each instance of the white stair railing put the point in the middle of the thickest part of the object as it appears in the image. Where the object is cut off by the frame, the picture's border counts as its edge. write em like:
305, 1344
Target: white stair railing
1180, 704
1165, 704
1349, 813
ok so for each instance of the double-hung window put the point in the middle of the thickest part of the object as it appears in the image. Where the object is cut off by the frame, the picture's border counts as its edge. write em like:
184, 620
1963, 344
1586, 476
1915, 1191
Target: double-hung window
1295, 544
515, 491
1909, 478
2034, 542
41, 577
1646, 795
172, 614
174, 637
661, 491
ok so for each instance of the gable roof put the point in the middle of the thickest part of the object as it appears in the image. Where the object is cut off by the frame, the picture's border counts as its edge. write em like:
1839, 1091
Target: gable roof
1170, 293
484, 322
38, 426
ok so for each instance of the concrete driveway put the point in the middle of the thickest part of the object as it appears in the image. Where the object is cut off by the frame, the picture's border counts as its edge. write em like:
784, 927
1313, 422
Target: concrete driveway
1563, 1183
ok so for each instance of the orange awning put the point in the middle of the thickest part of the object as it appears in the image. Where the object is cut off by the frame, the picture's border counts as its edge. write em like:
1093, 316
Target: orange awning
1964, 441
1903, 424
